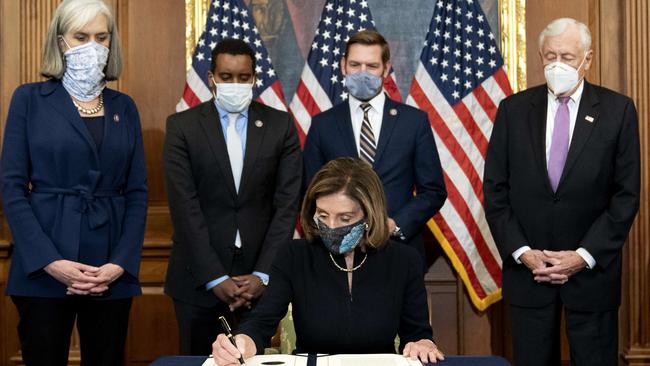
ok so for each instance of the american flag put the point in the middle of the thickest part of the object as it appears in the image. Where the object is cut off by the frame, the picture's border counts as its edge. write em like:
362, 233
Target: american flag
321, 84
230, 19
459, 82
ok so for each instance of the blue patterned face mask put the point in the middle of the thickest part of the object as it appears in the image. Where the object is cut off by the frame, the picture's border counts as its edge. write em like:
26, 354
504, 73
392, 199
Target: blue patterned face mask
341, 239
363, 85
84, 70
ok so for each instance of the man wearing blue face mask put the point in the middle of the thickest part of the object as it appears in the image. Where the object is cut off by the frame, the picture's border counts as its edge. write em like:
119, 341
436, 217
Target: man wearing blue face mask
561, 184
395, 139
233, 172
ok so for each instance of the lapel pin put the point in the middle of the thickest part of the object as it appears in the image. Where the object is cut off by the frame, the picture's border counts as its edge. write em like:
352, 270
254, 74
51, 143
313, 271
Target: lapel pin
116, 118
259, 123
589, 119
393, 112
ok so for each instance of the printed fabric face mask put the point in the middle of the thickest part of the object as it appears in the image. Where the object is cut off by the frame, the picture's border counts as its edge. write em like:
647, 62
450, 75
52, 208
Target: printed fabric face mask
341, 239
233, 97
561, 77
363, 85
84, 70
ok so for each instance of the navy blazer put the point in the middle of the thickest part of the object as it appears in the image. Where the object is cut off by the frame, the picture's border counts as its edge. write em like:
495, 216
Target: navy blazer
63, 198
406, 158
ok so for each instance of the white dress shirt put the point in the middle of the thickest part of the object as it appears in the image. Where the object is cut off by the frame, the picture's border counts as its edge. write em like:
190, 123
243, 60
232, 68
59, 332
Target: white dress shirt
551, 110
375, 115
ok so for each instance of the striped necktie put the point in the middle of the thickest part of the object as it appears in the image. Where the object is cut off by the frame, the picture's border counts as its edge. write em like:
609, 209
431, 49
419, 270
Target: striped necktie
367, 145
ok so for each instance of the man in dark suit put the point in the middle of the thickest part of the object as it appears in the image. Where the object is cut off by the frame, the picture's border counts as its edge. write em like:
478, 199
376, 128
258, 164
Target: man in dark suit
233, 172
392, 137
561, 190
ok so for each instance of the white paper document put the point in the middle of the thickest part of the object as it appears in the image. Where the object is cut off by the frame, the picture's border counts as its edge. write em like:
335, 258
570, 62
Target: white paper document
335, 360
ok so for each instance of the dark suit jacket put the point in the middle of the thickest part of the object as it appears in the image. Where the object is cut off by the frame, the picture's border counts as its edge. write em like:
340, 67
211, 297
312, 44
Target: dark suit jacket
596, 200
206, 209
64, 198
406, 158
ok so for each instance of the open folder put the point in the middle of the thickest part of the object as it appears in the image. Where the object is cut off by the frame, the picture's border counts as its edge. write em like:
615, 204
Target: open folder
324, 360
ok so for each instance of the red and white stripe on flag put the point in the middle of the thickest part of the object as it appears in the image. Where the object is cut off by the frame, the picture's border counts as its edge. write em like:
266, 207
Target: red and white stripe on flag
459, 83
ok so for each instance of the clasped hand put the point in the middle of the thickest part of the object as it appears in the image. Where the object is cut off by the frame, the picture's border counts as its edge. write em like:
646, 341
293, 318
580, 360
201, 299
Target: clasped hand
239, 291
555, 267
82, 279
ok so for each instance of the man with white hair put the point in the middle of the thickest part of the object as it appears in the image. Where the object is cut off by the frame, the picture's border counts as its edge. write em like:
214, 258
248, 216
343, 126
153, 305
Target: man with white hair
561, 186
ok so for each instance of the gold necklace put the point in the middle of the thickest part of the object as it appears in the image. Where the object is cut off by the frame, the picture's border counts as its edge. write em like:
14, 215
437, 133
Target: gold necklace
90, 111
351, 269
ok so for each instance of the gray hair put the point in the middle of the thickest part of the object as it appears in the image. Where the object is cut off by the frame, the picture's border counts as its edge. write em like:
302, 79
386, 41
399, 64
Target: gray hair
558, 26
72, 16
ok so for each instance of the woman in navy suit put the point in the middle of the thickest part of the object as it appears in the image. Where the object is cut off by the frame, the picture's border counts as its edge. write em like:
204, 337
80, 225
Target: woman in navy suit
74, 193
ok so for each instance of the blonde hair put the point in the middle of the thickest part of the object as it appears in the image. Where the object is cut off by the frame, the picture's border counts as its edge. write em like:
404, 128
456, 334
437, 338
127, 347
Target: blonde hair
558, 26
356, 179
72, 16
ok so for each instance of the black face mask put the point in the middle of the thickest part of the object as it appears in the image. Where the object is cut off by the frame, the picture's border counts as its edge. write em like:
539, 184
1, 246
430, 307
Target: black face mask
341, 239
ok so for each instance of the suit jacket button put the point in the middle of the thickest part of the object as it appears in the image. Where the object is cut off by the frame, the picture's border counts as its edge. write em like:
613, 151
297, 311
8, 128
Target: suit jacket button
556, 199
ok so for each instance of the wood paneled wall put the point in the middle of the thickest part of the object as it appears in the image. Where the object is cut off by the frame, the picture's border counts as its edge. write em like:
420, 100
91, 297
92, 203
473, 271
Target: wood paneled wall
635, 333
153, 44
605, 20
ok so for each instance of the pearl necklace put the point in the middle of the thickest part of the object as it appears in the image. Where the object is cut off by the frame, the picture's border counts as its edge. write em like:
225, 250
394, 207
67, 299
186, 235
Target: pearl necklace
350, 269
90, 111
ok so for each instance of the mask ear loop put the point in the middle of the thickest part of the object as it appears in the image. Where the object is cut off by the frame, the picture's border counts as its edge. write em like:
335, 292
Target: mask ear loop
583, 61
214, 91
64, 41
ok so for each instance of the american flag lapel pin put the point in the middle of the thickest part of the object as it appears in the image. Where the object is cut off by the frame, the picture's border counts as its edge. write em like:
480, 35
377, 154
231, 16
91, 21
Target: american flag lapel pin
589, 119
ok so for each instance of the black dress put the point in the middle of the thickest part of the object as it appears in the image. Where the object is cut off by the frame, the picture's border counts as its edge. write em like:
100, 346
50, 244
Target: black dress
388, 298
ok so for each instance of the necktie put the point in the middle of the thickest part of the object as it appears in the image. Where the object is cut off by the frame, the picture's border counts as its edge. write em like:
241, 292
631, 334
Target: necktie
236, 157
235, 153
559, 143
367, 145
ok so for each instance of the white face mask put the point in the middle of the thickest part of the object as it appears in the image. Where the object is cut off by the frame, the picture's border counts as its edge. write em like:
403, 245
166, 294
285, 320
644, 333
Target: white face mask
84, 70
561, 77
233, 97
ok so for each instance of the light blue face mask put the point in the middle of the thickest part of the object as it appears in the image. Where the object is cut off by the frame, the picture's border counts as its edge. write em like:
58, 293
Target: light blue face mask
363, 85
232, 97
84, 70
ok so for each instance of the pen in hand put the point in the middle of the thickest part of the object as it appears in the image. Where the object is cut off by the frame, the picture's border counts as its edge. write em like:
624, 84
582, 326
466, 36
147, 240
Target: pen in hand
228, 331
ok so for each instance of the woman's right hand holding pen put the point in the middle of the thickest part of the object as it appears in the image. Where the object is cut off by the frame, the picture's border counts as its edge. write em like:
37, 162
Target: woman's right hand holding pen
226, 354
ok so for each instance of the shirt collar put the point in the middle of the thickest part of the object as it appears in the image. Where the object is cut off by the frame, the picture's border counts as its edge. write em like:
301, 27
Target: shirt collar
223, 114
575, 97
377, 102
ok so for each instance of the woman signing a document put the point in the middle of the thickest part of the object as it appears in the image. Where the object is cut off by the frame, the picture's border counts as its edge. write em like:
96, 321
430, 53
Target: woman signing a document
352, 289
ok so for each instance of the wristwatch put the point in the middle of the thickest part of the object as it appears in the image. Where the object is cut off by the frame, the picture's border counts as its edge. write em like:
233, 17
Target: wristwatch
264, 281
398, 233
